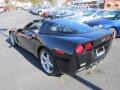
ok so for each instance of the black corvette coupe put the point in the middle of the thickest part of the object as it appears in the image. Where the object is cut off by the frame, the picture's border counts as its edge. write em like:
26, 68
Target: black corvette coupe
61, 45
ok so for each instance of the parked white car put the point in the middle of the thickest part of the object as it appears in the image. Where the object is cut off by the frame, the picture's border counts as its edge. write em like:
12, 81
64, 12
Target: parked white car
2, 6
39, 10
27, 6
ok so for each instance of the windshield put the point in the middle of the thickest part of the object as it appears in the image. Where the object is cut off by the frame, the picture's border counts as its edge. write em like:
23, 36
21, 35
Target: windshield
88, 12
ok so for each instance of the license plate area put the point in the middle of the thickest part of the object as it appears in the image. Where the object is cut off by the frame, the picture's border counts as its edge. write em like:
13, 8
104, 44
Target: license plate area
100, 51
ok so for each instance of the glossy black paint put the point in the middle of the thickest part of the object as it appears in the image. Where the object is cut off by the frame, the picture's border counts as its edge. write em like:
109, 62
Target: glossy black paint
68, 62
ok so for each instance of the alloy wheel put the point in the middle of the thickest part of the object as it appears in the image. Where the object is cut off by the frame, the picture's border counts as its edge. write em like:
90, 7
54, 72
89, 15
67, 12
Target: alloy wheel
12, 39
46, 62
114, 31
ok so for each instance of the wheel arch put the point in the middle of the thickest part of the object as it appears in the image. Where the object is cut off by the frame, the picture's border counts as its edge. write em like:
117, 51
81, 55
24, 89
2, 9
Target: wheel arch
56, 72
115, 28
40, 48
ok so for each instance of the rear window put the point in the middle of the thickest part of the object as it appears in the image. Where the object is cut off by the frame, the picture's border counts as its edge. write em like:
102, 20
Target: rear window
77, 28
73, 28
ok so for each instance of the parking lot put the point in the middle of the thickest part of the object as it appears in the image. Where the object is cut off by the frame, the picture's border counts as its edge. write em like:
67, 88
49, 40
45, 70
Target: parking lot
19, 70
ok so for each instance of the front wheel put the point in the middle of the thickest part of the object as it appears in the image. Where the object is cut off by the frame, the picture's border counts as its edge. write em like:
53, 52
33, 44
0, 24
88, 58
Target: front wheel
12, 39
48, 63
114, 31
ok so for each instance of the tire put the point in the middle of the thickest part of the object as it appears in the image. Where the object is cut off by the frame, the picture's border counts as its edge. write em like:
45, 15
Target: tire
40, 13
114, 32
48, 63
12, 39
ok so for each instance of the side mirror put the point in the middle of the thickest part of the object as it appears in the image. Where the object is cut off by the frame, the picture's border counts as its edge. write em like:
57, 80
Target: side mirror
19, 30
32, 28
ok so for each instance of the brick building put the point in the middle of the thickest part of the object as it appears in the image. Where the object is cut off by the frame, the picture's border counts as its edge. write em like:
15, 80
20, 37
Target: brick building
112, 4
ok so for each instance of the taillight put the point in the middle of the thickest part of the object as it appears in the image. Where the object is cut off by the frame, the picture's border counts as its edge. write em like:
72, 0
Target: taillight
79, 49
57, 51
108, 38
88, 46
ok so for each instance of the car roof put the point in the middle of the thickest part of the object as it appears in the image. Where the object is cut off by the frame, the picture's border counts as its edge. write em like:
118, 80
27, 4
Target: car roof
65, 22
109, 10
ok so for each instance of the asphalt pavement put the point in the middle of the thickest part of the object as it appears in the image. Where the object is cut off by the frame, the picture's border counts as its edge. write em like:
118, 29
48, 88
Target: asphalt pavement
20, 70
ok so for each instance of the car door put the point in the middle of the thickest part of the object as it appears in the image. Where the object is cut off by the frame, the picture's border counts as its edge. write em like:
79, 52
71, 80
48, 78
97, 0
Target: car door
21, 35
29, 36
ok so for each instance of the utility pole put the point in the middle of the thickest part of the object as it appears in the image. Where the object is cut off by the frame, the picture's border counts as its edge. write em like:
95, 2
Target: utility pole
104, 3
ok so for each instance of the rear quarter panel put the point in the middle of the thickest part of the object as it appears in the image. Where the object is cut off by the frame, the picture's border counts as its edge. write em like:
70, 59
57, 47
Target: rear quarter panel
67, 43
115, 24
57, 42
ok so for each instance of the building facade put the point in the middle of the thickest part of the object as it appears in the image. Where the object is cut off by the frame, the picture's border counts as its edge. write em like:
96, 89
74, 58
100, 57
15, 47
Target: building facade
112, 4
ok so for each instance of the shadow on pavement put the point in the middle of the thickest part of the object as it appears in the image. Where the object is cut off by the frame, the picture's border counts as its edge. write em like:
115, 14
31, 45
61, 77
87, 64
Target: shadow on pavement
34, 61
1, 32
87, 83
3, 29
30, 57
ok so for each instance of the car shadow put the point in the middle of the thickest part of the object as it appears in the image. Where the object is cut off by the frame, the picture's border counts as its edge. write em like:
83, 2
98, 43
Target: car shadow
118, 37
86, 83
34, 61
3, 29
27, 55
30, 57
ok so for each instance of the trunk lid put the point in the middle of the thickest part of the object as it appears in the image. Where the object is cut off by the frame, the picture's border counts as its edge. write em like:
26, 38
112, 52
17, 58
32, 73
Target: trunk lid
96, 37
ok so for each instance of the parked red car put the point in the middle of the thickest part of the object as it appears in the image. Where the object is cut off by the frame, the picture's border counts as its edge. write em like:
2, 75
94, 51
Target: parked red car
4, 8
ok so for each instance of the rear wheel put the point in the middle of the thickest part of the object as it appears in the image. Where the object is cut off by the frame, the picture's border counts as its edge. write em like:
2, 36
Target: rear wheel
12, 39
47, 62
114, 32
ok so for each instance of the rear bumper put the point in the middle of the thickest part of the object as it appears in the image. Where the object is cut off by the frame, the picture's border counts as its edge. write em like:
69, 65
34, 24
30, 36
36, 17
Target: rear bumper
78, 62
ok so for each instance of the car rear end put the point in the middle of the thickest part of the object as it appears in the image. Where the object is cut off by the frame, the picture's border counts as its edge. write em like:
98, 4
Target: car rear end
92, 52
80, 47
85, 54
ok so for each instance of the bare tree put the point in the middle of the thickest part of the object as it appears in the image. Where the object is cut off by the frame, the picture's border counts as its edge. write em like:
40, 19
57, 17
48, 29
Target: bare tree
36, 1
